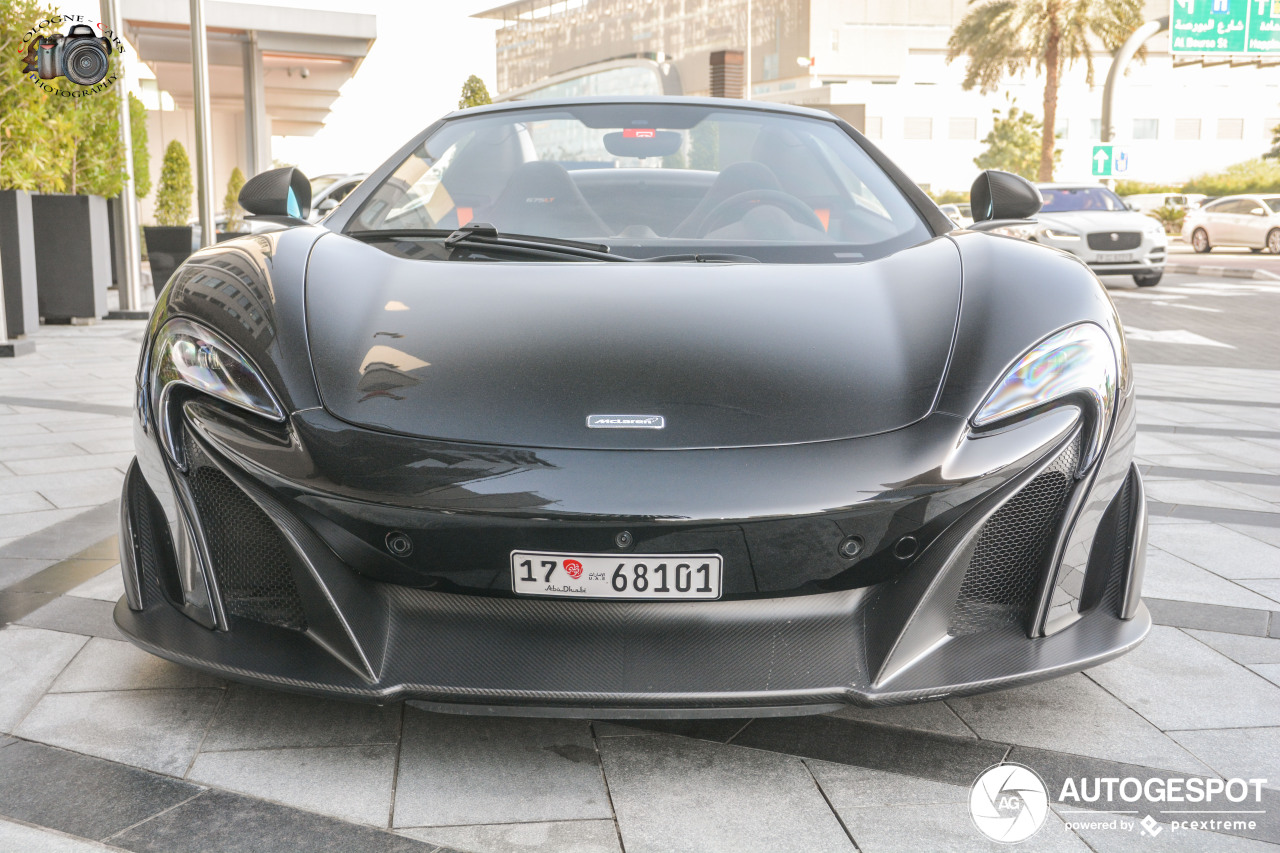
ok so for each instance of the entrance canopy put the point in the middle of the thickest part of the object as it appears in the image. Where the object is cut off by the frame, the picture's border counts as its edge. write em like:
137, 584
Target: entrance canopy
281, 66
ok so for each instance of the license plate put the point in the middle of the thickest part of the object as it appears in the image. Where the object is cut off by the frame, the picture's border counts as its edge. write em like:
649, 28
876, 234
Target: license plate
650, 577
1113, 257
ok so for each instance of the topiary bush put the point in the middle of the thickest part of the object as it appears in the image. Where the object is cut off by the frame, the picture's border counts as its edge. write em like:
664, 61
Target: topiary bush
173, 197
231, 204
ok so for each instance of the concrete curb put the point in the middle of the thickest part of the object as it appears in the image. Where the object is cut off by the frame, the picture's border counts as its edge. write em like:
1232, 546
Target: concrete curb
1221, 272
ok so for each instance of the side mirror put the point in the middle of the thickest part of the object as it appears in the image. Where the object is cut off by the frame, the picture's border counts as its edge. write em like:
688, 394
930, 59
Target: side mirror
327, 205
999, 196
1257, 211
279, 192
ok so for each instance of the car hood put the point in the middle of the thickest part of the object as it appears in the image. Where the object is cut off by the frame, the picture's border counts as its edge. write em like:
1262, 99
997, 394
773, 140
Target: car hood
727, 354
1090, 221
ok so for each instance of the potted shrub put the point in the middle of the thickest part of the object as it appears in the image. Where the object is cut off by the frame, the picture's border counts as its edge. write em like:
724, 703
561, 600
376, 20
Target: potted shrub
72, 239
28, 163
235, 224
169, 242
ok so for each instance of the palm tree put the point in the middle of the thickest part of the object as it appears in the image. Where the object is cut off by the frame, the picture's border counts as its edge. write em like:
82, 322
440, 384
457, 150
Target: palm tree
1002, 37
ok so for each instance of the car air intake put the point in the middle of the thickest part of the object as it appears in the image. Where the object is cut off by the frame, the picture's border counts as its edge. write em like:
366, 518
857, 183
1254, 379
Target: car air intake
250, 557
1115, 241
1009, 557
154, 550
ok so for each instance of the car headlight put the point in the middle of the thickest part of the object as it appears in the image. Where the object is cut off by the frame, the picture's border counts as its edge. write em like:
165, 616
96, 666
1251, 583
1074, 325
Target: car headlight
188, 354
1058, 234
1079, 361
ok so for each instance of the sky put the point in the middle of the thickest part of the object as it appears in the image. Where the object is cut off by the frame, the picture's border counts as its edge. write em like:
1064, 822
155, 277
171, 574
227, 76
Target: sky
424, 51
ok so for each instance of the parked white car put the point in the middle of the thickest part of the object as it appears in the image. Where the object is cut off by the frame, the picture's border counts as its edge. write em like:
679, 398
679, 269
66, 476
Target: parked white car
1147, 202
1091, 222
1252, 221
328, 190
960, 214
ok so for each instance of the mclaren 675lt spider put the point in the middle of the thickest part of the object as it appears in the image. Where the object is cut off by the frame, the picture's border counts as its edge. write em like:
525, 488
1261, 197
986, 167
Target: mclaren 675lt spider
634, 407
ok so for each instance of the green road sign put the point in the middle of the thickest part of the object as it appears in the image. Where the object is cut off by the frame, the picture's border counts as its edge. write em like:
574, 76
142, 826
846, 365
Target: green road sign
1102, 161
1110, 161
1239, 27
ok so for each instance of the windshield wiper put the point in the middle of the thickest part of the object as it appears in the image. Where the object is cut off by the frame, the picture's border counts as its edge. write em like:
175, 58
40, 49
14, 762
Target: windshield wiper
705, 258
482, 235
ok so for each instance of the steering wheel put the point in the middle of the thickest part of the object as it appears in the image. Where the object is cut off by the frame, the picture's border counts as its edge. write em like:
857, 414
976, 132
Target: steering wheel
735, 207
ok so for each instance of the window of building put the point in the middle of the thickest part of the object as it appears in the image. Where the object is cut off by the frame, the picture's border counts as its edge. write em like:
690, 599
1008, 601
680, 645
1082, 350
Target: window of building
1146, 128
875, 127
1231, 128
1060, 128
1095, 129
1186, 128
917, 128
962, 128
835, 39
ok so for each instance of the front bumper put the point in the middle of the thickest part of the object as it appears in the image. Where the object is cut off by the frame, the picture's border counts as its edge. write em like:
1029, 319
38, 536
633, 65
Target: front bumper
1147, 259
799, 629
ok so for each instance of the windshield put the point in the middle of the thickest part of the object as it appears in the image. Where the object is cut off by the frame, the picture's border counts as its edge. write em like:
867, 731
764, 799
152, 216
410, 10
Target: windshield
652, 179
1273, 203
1080, 198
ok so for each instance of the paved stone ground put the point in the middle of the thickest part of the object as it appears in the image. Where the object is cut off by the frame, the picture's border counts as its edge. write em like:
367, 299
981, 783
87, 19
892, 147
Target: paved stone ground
105, 747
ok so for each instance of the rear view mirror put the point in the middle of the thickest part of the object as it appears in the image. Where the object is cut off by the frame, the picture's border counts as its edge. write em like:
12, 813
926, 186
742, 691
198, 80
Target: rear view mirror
279, 192
1002, 195
642, 142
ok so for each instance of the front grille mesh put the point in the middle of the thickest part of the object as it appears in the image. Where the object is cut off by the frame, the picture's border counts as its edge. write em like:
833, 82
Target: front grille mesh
249, 554
1008, 559
1125, 240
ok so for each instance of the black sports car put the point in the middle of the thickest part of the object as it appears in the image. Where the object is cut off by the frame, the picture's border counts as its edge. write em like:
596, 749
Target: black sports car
632, 407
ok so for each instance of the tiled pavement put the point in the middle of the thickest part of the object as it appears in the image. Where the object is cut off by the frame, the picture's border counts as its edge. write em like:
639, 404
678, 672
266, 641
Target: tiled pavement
105, 747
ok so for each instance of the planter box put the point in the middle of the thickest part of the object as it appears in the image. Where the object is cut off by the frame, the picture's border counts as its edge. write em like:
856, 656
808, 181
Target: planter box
18, 264
167, 247
73, 256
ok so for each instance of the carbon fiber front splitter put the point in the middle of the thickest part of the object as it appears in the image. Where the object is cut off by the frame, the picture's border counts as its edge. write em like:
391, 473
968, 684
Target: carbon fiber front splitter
627, 660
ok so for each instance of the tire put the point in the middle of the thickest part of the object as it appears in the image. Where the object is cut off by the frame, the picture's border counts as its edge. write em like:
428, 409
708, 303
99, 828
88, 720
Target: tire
1273, 241
1148, 279
1200, 241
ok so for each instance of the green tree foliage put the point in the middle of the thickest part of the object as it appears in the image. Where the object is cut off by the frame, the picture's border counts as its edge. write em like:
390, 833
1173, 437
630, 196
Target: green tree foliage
32, 152
1274, 153
474, 93
1013, 145
1251, 176
141, 155
49, 142
1170, 217
173, 196
1000, 37
949, 196
231, 204
1124, 188
91, 127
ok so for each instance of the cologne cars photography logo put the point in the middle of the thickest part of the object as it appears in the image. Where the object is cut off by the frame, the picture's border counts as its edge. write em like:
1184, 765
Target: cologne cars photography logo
1008, 803
81, 55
